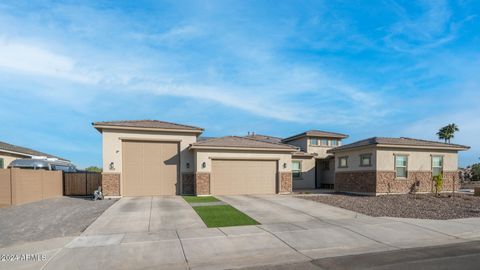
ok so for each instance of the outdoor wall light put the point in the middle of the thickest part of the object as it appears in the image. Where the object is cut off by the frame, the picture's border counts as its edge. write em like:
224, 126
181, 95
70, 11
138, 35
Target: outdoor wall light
204, 165
188, 165
284, 165
112, 166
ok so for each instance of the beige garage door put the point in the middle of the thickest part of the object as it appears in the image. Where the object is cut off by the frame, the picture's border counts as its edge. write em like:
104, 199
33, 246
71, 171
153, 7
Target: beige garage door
230, 177
149, 168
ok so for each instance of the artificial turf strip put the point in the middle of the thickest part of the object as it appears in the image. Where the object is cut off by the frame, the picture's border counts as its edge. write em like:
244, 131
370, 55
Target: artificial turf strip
201, 199
223, 216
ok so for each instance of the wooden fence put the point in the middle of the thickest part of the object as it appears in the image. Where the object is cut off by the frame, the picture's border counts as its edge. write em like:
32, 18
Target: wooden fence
81, 183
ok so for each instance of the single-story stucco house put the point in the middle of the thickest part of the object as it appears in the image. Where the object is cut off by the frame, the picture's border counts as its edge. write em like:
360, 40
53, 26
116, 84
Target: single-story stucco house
395, 165
10, 152
150, 157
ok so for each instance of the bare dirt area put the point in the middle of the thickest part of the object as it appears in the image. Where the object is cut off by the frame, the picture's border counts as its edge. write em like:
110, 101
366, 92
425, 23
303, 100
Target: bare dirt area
60, 217
423, 206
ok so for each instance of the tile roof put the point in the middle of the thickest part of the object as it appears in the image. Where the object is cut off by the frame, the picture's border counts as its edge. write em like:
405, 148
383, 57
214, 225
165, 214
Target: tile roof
402, 141
146, 124
26, 151
317, 133
242, 142
201, 138
264, 138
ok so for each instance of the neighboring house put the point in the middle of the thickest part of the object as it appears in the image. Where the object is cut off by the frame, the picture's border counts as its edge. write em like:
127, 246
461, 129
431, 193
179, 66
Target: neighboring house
149, 157
10, 152
395, 165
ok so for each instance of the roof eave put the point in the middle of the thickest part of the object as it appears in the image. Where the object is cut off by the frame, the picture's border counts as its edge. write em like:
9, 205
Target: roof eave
446, 147
100, 128
451, 148
298, 136
263, 149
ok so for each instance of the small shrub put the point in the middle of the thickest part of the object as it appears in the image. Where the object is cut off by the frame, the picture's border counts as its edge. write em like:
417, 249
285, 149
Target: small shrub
438, 181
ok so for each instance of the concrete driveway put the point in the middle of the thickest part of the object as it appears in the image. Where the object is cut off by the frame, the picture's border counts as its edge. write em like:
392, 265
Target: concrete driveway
165, 232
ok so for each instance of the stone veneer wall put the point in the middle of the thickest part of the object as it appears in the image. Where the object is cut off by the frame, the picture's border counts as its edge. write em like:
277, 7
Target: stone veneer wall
188, 183
384, 182
111, 184
285, 182
202, 183
355, 182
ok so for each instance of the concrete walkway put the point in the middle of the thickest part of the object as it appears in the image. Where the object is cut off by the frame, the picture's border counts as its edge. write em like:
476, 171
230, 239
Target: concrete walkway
165, 233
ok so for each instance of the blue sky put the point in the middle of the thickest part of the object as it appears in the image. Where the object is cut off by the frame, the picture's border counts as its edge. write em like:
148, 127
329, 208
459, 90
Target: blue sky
365, 68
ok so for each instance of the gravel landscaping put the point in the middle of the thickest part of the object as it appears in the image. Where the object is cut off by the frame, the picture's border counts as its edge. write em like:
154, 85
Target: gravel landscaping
66, 216
423, 206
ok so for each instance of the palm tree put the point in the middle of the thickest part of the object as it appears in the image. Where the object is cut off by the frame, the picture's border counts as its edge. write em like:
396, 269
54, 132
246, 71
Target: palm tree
447, 132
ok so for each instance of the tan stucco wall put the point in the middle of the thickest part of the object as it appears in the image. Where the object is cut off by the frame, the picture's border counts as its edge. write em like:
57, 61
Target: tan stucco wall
354, 159
321, 151
206, 156
112, 146
308, 174
418, 160
7, 158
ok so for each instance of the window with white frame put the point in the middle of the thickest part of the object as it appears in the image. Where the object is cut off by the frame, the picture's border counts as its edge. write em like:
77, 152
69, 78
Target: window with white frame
324, 142
343, 162
333, 143
296, 169
401, 162
437, 165
366, 160
313, 141
1, 163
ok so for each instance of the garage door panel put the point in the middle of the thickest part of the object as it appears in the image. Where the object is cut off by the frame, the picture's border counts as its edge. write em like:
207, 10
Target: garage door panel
150, 168
230, 177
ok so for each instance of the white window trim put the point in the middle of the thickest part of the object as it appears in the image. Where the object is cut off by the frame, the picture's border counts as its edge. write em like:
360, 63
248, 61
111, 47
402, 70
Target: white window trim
443, 161
395, 166
300, 170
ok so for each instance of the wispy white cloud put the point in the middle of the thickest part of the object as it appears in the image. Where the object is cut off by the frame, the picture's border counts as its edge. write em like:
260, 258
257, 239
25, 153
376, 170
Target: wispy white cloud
432, 28
34, 60
275, 99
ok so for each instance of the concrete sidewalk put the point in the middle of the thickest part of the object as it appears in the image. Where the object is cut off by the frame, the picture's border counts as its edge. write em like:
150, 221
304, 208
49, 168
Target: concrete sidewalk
165, 232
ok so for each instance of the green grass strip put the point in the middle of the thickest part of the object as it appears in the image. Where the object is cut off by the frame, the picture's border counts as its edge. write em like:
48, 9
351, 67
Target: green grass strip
223, 216
201, 199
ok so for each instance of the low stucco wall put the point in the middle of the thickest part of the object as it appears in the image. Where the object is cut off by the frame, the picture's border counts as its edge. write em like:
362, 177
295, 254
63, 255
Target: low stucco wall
27, 186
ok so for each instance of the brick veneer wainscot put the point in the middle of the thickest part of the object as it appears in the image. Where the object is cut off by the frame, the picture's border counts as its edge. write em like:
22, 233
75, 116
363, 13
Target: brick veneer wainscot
384, 182
285, 182
111, 184
202, 183
357, 182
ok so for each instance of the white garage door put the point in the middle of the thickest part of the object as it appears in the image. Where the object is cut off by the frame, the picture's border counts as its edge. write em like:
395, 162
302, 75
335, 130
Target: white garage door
230, 177
149, 168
